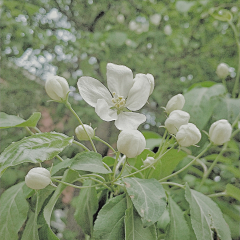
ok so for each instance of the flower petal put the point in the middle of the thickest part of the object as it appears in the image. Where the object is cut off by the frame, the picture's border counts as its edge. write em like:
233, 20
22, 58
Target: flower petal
104, 111
119, 79
139, 93
129, 120
91, 90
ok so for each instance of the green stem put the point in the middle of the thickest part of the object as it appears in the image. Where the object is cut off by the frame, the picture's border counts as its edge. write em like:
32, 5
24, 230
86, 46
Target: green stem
100, 140
119, 175
81, 145
68, 105
115, 164
236, 84
29, 131
96, 180
92, 175
161, 144
188, 165
213, 164
173, 184
217, 194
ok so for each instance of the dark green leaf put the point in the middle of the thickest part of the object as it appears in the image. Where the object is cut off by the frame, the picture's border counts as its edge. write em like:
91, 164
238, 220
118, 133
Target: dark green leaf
89, 161
148, 197
36, 148
110, 220
7, 121
178, 228
206, 217
87, 205
13, 212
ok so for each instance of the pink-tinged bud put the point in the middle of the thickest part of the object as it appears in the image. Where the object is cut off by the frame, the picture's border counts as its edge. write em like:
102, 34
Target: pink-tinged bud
188, 135
131, 143
38, 178
220, 132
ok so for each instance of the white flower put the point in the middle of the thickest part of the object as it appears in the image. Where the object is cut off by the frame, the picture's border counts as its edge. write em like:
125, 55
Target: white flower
155, 19
57, 88
220, 132
188, 135
222, 70
176, 119
131, 143
38, 178
82, 135
125, 93
175, 103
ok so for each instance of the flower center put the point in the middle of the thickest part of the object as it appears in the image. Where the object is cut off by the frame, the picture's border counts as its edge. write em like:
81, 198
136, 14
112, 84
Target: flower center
118, 101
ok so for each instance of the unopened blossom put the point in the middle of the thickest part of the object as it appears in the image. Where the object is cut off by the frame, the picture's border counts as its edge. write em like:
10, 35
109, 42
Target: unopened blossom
168, 30
155, 19
188, 135
81, 133
222, 70
131, 143
124, 94
57, 88
38, 178
148, 161
176, 119
120, 18
175, 103
220, 132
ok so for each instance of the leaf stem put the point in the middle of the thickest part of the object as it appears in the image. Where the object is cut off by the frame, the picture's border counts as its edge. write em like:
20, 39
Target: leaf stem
217, 194
81, 145
173, 184
101, 140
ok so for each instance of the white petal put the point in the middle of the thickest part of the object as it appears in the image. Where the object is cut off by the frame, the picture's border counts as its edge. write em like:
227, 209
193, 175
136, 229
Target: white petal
91, 90
129, 120
139, 93
104, 111
119, 79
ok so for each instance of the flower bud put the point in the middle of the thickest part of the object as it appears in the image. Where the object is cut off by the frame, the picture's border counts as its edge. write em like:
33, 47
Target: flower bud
168, 30
155, 19
57, 88
38, 178
148, 161
188, 135
82, 135
222, 70
176, 119
131, 143
220, 132
175, 103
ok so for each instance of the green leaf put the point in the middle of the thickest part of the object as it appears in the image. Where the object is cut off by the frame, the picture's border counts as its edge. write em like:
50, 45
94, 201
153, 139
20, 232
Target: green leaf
221, 14
109, 161
206, 216
13, 212
36, 148
233, 191
86, 207
134, 229
31, 229
148, 197
64, 164
7, 121
110, 220
200, 103
89, 161
167, 163
69, 177
150, 135
178, 228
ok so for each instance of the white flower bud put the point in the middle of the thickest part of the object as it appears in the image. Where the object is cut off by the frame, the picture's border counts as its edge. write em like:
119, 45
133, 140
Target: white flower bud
222, 70
148, 161
131, 143
82, 135
168, 30
120, 18
38, 178
176, 119
220, 132
57, 88
155, 19
188, 135
175, 103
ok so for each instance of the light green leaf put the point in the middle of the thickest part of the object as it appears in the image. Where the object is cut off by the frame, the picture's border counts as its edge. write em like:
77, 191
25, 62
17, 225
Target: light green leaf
134, 228
221, 14
86, 207
178, 228
13, 212
31, 229
89, 161
7, 121
64, 164
167, 163
110, 220
200, 103
206, 216
36, 148
148, 197
184, 6
233, 191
